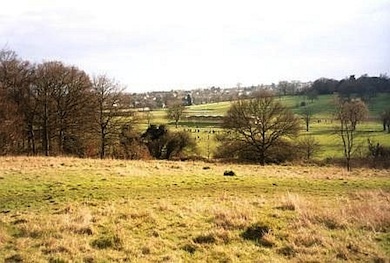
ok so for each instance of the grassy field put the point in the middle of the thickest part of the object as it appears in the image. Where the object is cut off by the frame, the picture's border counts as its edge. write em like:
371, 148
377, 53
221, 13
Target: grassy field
321, 126
83, 210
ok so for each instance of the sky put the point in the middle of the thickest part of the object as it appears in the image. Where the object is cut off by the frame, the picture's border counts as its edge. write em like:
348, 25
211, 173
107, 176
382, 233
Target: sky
155, 45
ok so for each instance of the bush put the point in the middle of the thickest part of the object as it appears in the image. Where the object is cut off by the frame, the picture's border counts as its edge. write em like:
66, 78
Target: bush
164, 144
379, 154
130, 145
280, 152
74, 145
307, 147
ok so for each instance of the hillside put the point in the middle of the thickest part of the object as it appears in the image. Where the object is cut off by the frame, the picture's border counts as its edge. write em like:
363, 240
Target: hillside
322, 107
204, 120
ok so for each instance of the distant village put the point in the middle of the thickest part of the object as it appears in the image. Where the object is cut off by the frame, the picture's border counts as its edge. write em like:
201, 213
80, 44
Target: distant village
162, 99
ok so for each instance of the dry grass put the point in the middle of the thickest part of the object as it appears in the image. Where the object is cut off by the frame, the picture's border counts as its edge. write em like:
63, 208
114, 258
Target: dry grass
347, 227
292, 202
72, 210
235, 214
364, 209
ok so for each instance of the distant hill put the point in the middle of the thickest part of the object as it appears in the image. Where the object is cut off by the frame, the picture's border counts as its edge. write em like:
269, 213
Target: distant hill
321, 107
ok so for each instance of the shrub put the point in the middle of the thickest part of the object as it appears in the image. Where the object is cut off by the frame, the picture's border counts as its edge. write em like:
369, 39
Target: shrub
130, 145
308, 147
163, 144
280, 152
73, 145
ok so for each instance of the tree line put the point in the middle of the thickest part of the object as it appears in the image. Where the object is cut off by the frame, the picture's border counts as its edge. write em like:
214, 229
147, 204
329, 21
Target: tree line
364, 87
55, 109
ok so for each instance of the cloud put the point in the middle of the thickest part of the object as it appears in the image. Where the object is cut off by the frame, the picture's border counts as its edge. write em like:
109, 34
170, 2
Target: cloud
174, 44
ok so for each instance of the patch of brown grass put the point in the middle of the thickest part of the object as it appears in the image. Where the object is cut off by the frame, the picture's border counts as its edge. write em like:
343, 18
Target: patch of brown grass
322, 227
367, 209
77, 221
232, 218
292, 202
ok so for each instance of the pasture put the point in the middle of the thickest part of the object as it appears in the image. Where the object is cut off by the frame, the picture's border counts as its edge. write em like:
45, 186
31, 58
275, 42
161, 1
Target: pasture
84, 210
322, 125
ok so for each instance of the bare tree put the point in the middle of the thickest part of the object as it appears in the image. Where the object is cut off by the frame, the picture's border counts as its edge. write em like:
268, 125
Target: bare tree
10, 122
312, 95
349, 113
261, 123
306, 116
108, 94
64, 100
15, 78
175, 112
16, 81
308, 146
385, 117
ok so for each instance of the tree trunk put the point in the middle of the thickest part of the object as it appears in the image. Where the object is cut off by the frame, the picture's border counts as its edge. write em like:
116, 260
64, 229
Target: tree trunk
31, 140
348, 162
61, 139
46, 137
262, 159
102, 145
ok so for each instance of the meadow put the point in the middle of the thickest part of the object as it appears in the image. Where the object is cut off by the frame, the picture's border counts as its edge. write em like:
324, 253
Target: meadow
87, 210
322, 124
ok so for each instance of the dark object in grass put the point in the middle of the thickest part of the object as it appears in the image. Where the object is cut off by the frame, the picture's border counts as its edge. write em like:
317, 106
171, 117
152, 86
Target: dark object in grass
14, 259
287, 251
105, 242
19, 221
206, 168
229, 173
204, 239
189, 248
255, 232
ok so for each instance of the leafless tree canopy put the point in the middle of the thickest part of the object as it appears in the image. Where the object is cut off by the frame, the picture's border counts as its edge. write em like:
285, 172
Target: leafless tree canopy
349, 114
261, 123
52, 108
175, 112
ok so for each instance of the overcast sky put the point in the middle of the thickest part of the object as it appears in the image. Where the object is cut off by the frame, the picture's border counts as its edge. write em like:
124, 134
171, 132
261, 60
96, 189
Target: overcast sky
184, 44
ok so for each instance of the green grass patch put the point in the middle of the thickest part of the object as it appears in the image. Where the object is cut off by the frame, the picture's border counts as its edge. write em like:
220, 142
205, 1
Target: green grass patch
322, 125
84, 210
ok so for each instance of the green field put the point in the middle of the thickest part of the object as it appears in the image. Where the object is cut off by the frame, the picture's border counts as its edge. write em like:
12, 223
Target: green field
83, 210
321, 126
